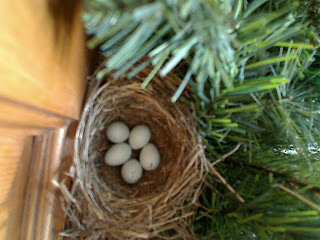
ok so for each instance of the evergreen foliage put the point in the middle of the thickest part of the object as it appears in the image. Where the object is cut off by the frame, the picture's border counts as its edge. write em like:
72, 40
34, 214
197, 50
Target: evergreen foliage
254, 70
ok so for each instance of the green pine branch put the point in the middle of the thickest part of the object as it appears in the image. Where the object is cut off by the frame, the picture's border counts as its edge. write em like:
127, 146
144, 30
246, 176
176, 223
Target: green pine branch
268, 212
218, 39
253, 67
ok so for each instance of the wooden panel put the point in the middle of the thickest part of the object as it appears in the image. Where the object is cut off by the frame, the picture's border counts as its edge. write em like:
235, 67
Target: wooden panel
15, 155
31, 203
52, 153
18, 115
66, 160
47, 203
42, 54
21, 131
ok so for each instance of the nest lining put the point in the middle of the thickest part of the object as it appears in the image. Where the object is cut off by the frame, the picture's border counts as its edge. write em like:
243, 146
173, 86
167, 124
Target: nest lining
101, 205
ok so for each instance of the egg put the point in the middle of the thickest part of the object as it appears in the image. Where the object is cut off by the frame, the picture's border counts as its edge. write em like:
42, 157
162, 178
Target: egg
150, 157
118, 132
139, 137
118, 154
131, 171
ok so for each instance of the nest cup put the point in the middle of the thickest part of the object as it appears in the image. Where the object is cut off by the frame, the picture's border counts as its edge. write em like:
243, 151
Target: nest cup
101, 205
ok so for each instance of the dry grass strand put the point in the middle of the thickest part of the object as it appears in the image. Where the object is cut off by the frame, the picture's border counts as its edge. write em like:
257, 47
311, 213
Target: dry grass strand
101, 205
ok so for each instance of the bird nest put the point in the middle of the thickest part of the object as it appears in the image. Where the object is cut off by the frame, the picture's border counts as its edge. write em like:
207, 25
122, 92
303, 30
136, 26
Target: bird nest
100, 205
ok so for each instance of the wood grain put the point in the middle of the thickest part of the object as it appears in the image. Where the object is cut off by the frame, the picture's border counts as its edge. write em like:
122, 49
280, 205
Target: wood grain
19, 115
52, 154
31, 209
13, 131
66, 160
42, 55
15, 157
42, 84
29, 206
48, 198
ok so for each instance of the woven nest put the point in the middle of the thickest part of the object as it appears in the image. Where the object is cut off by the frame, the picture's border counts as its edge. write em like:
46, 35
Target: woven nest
100, 204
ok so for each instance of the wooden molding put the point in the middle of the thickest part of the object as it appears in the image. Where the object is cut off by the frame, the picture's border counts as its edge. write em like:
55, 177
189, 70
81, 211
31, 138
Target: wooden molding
66, 160
23, 116
52, 154
31, 206
13, 131
15, 158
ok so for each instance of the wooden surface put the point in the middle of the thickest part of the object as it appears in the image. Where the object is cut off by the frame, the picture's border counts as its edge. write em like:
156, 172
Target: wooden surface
42, 84
42, 55
29, 204
15, 158
65, 162
18, 115
40, 207
18, 132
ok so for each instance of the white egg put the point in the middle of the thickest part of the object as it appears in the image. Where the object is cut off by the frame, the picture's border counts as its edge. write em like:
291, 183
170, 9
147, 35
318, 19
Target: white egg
118, 154
150, 157
139, 137
131, 171
118, 132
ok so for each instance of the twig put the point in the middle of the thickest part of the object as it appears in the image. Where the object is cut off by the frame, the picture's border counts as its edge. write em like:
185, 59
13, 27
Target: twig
203, 207
296, 195
225, 183
212, 188
228, 154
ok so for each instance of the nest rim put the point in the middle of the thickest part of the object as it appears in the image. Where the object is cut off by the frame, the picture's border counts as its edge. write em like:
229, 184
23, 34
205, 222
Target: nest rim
168, 207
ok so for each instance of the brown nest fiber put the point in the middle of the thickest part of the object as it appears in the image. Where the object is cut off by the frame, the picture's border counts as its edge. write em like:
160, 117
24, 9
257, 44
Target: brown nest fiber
100, 204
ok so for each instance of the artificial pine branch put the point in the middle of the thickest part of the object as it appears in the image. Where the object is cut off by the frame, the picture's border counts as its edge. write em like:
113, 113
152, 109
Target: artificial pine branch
268, 213
218, 38
255, 74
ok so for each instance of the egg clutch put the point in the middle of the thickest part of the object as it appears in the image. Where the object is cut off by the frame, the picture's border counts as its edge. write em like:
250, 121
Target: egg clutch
120, 153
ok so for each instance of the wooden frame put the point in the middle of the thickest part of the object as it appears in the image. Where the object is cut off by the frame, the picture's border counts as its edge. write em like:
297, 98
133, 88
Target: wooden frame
43, 68
52, 155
